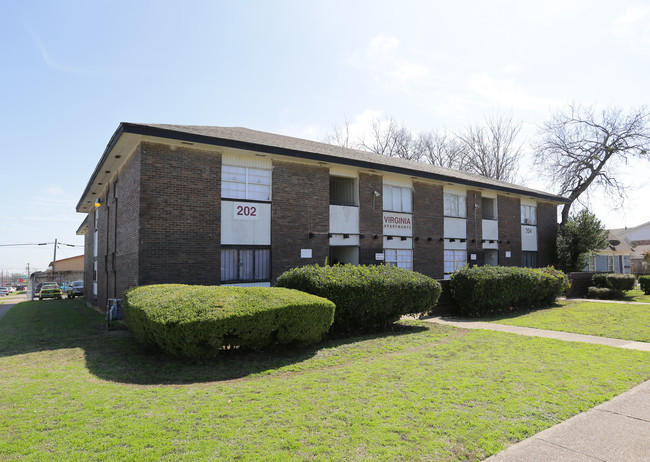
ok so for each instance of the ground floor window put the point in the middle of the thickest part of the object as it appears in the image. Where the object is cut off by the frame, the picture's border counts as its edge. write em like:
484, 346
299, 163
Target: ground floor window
454, 259
245, 264
529, 259
402, 258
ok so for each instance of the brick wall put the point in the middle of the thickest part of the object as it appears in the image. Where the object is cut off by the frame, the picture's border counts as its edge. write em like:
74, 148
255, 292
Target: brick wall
88, 259
127, 225
474, 222
180, 226
300, 206
428, 223
546, 233
370, 217
509, 213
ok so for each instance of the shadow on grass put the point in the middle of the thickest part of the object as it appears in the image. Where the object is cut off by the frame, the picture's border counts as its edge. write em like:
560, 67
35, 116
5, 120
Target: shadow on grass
500, 316
115, 355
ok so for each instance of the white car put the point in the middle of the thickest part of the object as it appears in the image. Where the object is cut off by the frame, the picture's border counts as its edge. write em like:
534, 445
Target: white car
4, 291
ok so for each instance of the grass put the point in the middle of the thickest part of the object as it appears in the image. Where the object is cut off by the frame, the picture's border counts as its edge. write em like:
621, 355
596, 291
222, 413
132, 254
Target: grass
636, 296
613, 320
72, 391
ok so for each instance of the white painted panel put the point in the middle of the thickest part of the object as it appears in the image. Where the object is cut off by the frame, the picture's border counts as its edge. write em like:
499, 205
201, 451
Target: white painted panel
246, 161
338, 240
528, 237
490, 229
249, 284
344, 171
245, 223
528, 202
344, 219
398, 180
490, 194
459, 190
456, 245
455, 227
398, 243
493, 245
398, 224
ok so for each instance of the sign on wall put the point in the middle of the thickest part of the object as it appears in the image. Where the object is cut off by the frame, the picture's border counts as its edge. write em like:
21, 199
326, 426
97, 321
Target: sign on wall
398, 224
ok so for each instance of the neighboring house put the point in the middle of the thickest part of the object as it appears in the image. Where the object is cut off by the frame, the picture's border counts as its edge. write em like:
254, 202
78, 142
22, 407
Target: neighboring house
638, 238
615, 258
69, 264
214, 205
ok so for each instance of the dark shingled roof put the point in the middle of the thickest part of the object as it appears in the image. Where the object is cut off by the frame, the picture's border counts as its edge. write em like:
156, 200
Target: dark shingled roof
269, 143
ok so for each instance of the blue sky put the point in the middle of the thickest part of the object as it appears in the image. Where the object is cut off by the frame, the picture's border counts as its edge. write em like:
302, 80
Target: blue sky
73, 70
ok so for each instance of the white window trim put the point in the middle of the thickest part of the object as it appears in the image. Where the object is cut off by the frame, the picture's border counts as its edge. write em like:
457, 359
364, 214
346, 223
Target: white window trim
388, 191
460, 204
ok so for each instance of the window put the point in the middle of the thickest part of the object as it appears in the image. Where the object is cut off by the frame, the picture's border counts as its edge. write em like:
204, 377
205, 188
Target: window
343, 191
489, 207
454, 259
245, 183
397, 199
245, 265
455, 205
402, 258
529, 259
528, 215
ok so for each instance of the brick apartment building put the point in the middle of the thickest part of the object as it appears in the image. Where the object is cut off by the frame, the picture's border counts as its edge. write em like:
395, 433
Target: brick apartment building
214, 205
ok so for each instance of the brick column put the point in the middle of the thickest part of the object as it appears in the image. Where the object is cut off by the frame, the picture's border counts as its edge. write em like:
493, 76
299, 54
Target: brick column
370, 217
428, 227
509, 211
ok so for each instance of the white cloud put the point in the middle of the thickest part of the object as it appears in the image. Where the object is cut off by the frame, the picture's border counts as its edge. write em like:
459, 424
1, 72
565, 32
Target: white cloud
633, 28
506, 93
382, 61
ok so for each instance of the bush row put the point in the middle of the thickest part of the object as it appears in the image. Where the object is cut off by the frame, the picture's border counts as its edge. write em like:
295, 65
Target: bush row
366, 297
486, 290
616, 282
198, 321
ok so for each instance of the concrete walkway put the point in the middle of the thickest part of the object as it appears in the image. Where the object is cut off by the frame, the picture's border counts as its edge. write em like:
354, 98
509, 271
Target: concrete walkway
618, 430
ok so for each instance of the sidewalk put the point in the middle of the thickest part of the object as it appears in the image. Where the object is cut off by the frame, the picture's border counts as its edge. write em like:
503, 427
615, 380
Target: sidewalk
617, 430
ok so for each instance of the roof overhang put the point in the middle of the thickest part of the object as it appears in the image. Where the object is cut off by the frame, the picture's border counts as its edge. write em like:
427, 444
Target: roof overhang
127, 137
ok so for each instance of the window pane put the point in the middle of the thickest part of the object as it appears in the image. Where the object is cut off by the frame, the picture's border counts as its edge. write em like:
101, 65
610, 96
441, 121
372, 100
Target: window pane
343, 191
262, 265
388, 198
246, 268
228, 265
462, 206
259, 192
233, 190
406, 200
257, 176
230, 173
397, 199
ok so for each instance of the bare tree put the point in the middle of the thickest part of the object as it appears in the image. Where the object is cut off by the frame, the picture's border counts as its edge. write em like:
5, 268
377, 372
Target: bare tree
493, 150
390, 139
581, 148
340, 135
442, 149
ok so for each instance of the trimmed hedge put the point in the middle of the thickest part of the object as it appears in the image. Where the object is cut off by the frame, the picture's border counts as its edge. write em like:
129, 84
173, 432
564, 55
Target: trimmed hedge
198, 321
486, 290
644, 282
617, 282
366, 297
603, 293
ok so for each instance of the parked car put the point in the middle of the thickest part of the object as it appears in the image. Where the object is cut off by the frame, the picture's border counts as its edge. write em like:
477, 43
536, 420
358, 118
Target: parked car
4, 291
76, 289
50, 290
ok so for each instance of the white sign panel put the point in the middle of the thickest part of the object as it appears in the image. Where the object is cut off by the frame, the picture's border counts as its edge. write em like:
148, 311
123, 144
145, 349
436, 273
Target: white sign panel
245, 223
398, 224
379, 257
305, 253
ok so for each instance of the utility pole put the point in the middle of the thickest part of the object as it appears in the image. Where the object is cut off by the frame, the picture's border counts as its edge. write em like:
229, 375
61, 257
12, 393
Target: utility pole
54, 261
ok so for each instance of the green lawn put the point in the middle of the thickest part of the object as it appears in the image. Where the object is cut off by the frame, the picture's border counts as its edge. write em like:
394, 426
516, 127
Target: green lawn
636, 296
72, 391
614, 320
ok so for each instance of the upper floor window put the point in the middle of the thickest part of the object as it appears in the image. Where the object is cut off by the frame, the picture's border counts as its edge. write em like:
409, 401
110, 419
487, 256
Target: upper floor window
344, 191
245, 183
455, 205
489, 207
397, 199
528, 215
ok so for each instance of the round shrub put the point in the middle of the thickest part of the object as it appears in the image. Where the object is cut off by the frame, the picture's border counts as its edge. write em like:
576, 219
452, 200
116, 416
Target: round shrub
602, 293
199, 321
616, 282
366, 297
486, 290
